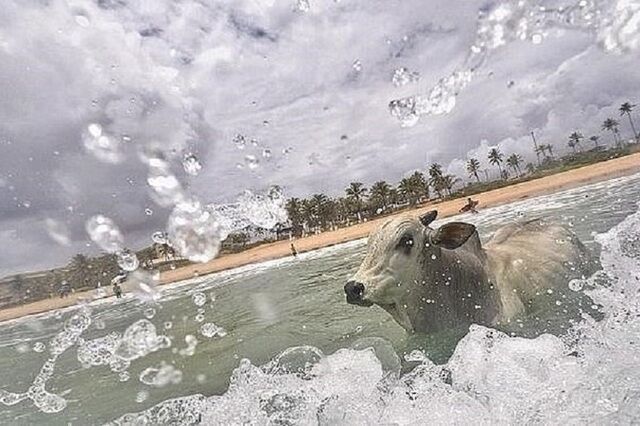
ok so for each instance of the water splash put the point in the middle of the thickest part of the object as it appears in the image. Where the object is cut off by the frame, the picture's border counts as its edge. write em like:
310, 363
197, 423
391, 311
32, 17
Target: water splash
193, 231
127, 260
42, 399
209, 329
612, 23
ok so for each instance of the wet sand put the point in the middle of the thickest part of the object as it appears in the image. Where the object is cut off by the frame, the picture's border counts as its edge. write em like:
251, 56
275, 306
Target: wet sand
545, 185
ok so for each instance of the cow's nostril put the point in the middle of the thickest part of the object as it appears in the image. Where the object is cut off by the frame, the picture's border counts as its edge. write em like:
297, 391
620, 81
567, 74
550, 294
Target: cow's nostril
353, 290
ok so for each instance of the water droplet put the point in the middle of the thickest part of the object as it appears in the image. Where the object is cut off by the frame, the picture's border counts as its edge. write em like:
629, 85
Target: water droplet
576, 285
357, 65
127, 260
302, 6
240, 141
266, 153
199, 299
104, 232
39, 347
101, 145
251, 161
82, 20
148, 211
159, 237
193, 232
57, 231
142, 396
168, 325
536, 38
149, 313
433, 257
191, 164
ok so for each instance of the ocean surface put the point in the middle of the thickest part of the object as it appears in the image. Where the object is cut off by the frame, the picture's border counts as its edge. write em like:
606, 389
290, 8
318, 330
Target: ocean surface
276, 343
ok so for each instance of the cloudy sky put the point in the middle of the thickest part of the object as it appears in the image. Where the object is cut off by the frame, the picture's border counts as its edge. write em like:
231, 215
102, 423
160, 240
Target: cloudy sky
310, 82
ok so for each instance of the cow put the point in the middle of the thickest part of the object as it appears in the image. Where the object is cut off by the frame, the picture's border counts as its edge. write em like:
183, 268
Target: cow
431, 280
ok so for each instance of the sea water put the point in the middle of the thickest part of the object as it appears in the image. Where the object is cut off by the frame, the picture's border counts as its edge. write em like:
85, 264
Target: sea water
276, 343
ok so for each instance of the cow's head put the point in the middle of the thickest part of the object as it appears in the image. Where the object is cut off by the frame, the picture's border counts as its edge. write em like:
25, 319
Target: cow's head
398, 254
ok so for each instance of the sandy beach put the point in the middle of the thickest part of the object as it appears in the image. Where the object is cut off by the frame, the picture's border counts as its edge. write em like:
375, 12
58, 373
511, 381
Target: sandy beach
545, 185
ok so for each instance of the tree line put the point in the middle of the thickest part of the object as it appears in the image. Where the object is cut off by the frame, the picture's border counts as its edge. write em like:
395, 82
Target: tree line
320, 212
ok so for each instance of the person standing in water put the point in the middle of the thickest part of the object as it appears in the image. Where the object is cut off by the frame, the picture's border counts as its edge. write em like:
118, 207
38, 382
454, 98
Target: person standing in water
294, 252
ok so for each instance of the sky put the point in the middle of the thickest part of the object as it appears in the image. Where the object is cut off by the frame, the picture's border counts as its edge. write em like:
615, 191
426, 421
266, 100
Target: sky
308, 81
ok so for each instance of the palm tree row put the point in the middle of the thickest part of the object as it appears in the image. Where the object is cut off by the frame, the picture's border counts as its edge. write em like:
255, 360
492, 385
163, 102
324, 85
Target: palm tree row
320, 212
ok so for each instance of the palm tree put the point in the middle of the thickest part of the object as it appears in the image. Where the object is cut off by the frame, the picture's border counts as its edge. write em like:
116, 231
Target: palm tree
380, 194
319, 204
549, 148
595, 140
435, 178
80, 271
473, 167
447, 182
294, 212
572, 145
576, 137
541, 149
495, 157
514, 162
421, 185
530, 168
356, 192
612, 125
626, 108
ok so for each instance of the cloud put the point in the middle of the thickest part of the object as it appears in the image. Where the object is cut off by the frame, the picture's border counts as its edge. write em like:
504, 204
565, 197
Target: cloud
188, 76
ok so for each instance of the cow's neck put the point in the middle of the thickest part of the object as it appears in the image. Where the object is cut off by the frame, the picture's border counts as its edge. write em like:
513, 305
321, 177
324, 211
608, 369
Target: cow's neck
457, 292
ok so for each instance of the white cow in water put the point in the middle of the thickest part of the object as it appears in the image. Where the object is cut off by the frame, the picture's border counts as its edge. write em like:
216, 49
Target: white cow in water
435, 279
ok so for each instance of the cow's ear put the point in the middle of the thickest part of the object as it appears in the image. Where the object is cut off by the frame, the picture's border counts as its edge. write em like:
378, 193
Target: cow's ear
428, 217
452, 235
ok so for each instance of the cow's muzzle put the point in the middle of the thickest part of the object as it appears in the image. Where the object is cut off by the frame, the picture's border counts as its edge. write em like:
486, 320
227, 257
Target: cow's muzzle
354, 291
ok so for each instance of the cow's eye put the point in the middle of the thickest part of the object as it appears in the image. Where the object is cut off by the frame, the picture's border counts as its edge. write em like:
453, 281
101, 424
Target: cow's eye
405, 243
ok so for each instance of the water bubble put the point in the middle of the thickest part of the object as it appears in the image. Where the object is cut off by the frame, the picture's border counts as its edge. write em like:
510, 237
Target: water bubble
200, 317
148, 211
191, 164
251, 161
57, 231
357, 65
168, 325
266, 153
199, 299
104, 232
416, 355
209, 329
576, 285
39, 347
149, 313
127, 260
193, 231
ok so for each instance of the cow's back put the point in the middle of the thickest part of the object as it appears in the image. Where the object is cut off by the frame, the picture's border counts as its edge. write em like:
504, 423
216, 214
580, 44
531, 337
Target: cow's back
530, 258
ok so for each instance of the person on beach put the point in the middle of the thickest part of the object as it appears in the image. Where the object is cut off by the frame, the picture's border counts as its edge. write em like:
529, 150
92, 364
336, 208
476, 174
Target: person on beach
117, 290
470, 206
294, 252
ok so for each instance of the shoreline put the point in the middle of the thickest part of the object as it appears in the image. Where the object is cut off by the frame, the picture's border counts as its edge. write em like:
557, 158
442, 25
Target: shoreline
592, 173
